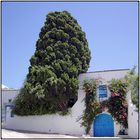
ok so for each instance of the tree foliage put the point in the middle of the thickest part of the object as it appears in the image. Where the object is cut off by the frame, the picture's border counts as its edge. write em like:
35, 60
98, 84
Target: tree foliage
61, 55
132, 79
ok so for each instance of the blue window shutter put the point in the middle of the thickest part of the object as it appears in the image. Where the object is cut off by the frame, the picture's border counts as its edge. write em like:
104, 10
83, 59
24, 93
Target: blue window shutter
102, 91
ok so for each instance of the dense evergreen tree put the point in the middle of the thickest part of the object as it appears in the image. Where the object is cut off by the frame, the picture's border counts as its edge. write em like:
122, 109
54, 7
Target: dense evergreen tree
61, 55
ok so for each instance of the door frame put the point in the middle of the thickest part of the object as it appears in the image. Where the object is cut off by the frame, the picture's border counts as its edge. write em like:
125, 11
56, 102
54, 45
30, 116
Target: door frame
101, 114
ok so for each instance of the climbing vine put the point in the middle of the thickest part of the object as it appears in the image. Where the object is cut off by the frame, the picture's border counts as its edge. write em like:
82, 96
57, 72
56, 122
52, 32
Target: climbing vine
116, 104
92, 106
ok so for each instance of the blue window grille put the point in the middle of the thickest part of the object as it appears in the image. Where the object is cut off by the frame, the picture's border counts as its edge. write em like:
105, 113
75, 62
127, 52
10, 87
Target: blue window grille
102, 91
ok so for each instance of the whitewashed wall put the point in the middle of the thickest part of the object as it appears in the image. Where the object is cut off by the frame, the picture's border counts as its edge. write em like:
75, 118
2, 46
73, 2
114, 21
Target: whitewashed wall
52, 123
8, 95
132, 119
64, 124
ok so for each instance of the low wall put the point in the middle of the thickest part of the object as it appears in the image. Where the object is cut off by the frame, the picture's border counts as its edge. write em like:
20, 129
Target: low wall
51, 123
47, 124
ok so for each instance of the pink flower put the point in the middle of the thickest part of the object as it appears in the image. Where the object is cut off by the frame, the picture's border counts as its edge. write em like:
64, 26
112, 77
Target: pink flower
115, 94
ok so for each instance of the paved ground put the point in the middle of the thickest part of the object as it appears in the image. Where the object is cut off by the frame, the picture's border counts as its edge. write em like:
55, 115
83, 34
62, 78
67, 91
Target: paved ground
18, 134
15, 134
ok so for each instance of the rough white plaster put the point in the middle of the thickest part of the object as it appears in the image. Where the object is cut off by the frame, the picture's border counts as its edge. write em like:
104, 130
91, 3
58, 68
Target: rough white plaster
8, 95
132, 119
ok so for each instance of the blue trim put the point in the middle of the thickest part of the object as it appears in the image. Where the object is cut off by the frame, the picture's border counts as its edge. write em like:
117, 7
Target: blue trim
11, 106
102, 91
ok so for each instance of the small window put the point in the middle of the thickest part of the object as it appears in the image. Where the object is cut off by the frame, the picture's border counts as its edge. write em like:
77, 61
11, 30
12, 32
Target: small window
102, 91
71, 102
10, 100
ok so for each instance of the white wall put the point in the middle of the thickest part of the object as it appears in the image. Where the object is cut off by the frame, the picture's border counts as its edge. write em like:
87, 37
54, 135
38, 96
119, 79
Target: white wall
8, 94
103, 75
52, 123
132, 119
63, 124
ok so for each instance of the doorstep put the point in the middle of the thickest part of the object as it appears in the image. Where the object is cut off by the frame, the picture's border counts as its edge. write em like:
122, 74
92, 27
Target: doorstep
123, 136
88, 136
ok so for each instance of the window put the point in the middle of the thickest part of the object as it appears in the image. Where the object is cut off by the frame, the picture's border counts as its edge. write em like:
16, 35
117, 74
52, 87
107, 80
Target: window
102, 91
9, 100
72, 101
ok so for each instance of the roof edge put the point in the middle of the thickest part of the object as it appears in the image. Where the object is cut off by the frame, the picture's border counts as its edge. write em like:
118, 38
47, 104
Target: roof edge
10, 89
106, 71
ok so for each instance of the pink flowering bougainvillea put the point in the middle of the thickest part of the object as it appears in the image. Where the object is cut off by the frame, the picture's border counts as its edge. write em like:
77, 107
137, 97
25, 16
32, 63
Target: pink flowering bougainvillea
117, 104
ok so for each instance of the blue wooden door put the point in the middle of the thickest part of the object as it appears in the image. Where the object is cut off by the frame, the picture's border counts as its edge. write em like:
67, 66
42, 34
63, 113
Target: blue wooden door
103, 126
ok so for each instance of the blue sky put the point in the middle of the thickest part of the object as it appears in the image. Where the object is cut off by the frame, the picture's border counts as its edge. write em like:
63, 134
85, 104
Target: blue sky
111, 30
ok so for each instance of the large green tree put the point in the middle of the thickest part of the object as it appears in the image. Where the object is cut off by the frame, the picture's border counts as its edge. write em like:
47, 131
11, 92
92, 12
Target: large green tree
61, 54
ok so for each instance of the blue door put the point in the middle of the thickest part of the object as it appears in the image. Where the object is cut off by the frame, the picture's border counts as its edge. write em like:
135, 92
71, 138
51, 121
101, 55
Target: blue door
103, 126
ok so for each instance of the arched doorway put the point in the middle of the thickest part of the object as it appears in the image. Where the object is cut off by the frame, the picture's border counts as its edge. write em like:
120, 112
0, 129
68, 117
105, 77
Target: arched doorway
103, 126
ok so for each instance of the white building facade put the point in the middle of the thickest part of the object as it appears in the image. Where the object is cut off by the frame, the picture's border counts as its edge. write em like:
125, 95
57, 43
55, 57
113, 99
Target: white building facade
70, 124
8, 95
